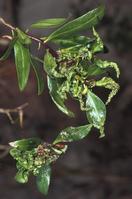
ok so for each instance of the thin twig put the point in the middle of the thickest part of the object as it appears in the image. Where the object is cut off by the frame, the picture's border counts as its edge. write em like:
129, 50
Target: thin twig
6, 37
5, 150
46, 46
18, 110
15, 110
6, 24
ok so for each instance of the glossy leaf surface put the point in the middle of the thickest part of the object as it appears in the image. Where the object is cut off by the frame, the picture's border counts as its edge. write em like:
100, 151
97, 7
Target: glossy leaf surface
39, 76
73, 41
22, 61
26, 144
49, 23
96, 113
84, 22
43, 179
53, 88
71, 134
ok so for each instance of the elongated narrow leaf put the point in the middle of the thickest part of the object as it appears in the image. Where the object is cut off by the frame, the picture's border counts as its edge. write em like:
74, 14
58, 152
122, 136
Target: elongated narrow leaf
22, 61
26, 144
49, 23
8, 51
76, 40
110, 84
43, 179
23, 37
84, 22
53, 88
39, 76
71, 134
96, 113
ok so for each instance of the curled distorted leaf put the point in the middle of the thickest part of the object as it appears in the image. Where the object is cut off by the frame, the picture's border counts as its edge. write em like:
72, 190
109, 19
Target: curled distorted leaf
57, 99
22, 61
49, 63
23, 37
84, 22
49, 23
106, 64
14, 152
26, 144
96, 112
59, 148
22, 176
8, 51
43, 179
109, 83
39, 76
71, 134
98, 45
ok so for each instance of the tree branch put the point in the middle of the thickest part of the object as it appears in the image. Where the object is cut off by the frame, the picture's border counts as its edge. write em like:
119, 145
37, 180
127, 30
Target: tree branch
40, 42
6, 24
18, 110
5, 150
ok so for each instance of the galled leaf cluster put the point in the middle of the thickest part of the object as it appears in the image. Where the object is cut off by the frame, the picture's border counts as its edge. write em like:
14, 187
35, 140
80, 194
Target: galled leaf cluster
75, 69
35, 157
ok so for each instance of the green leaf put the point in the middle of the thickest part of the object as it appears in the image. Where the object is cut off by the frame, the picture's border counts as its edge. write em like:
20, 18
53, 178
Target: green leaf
106, 64
110, 84
98, 45
76, 40
71, 134
94, 70
53, 88
49, 23
8, 51
13, 152
23, 37
43, 179
26, 144
49, 63
22, 176
39, 76
84, 22
96, 113
22, 61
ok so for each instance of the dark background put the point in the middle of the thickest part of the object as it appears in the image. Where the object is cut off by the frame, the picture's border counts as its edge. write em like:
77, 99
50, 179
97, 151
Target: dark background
92, 168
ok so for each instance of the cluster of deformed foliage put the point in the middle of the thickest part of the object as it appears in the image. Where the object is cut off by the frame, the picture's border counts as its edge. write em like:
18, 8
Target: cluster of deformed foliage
75, 69
35, 157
